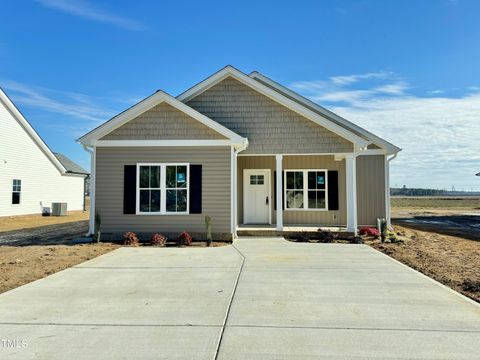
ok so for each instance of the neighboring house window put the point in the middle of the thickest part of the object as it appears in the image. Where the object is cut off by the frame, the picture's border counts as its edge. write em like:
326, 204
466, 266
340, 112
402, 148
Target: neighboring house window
162, 188
16, 191
306, 190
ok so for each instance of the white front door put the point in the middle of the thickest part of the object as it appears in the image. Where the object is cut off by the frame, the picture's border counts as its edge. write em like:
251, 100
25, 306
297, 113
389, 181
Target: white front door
256, 196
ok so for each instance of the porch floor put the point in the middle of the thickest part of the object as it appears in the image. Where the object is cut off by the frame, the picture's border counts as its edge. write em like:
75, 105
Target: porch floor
271, 230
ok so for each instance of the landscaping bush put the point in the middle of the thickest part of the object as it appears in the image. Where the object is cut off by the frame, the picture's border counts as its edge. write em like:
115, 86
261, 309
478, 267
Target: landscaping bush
158, 240
369, 231
130, 239
184, 239
325, 236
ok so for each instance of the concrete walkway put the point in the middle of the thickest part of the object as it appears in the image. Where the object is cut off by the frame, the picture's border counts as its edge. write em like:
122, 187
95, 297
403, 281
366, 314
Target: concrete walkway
259, 299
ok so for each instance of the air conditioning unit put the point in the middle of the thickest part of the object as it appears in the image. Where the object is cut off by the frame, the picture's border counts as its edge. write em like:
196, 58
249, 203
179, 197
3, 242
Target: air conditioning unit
59, 209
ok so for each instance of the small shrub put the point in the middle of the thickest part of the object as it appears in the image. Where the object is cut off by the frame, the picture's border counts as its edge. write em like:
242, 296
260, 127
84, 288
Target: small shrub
130, 239
158, 240
369, 231
325, 236
471, 285
301, 237
392, 237
356, 240
184, 239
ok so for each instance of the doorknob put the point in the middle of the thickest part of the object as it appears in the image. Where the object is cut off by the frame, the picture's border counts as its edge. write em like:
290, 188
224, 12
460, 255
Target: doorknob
266, 200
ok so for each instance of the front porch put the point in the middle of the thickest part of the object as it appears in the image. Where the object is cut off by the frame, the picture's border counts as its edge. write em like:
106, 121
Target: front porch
271, 230
323, 196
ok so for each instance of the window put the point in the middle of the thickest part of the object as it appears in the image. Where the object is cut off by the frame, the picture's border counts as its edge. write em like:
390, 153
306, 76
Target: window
162, 188
16, 191
257, 179
294, 190
306, 190
176, 188
149, 188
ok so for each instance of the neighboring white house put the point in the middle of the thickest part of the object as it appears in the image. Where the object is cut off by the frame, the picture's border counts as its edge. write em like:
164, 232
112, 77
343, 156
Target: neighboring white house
31, 175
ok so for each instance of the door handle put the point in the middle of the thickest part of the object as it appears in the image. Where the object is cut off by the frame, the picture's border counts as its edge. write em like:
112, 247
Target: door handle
266, 200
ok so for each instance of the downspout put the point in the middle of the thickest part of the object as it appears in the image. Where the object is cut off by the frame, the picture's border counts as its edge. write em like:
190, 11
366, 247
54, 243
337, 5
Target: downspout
91, 224
387, 189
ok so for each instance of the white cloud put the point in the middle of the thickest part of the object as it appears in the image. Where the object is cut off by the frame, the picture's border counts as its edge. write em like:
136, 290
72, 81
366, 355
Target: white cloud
349, 79
89, 11
439, 135
67, 103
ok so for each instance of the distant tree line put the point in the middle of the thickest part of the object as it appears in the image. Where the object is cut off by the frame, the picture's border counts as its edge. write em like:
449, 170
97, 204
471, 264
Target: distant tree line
430, 192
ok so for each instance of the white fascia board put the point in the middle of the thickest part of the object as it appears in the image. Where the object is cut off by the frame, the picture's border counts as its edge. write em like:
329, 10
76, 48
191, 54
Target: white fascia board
274, 95
147, 104
31, 131
367, 134
153, 143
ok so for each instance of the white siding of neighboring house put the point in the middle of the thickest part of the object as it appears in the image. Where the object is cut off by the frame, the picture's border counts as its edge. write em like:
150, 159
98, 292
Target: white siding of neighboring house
42, 183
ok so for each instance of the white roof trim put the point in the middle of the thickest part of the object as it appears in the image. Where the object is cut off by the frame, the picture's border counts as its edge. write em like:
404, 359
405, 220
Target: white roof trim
148, 103
31, 132
368, 135
274, 95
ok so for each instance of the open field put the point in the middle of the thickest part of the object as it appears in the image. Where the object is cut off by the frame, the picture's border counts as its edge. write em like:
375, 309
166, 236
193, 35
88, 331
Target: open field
443, 203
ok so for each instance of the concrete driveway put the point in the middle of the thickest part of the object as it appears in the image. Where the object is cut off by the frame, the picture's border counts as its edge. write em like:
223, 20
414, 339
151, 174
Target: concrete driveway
258, 299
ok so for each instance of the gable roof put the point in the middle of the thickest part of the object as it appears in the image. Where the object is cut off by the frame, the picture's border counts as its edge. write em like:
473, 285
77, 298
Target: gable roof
148, 103
322, 120
325, 112
31, 131
71, 166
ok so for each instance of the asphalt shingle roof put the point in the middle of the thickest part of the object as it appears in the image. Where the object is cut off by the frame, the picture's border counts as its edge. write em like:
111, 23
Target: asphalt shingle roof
69, 165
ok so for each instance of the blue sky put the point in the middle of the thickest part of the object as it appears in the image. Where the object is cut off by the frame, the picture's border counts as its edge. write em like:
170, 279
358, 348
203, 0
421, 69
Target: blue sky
406, 70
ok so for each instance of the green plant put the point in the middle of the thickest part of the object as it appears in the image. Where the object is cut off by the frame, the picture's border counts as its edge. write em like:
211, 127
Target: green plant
130, 239
97, 224
208, 228
392, 236
325, 236
158, 240
184, 239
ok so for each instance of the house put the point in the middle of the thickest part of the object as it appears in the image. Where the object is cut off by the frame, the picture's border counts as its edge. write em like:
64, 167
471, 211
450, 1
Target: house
31, 175
242, 149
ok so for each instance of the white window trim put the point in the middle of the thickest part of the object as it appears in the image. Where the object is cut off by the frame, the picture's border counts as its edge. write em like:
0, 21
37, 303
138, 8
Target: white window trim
305, 190
19, 192
163, 189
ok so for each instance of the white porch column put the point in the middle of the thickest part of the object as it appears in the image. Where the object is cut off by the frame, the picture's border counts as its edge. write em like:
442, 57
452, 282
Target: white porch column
279, 194
93, 160
351, 180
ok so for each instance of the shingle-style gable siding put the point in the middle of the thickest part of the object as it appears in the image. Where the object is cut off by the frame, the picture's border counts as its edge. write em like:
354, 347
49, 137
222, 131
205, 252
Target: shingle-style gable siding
270, 127
163, 122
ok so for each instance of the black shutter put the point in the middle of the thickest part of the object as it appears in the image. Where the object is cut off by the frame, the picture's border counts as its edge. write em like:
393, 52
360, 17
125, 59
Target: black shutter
195, 189
129, 189
333, 190
275, 190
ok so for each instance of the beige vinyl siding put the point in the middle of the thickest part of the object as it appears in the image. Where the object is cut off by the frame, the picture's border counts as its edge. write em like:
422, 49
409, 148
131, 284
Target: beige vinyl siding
271, 128
312, 217
370, 189
215, 163
163, 122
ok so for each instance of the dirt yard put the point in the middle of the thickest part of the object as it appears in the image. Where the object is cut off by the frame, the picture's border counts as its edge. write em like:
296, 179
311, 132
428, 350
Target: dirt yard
453, 261
10, 223
20, 265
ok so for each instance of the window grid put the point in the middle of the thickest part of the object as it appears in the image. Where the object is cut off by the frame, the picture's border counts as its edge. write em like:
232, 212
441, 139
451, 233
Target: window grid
16, 191
182, 186
300, 190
